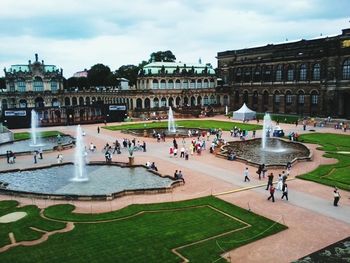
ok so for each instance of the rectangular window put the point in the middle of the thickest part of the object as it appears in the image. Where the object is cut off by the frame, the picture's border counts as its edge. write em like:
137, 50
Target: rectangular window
289, 99
290, 75
301, 99
277, 98
314, 99
278, 75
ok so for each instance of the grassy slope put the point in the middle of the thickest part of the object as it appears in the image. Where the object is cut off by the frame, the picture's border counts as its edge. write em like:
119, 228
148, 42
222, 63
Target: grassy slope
26, 135
204, 124
334, 174
148, 237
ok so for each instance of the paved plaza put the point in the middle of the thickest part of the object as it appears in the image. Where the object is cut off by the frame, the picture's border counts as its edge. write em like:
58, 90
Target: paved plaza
313, 222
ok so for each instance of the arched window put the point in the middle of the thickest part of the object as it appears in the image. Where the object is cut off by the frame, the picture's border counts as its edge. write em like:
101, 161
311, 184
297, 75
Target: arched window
225, 100
147, 103
288, 98
206, 100
314, 98
74, 101
302, 72
170, 84
301, 97
205, 84
185, 84
155, 84
178, 101
178, 84
163, 102
81, 101
38, 84
276, 97
278, 73
4, 104
21, 85
212, 83
199, 83
54, 86
192, 84
171, 102
87, 100
139, 103
155, 103
346, 69
162, 84
199, 100
193, 101
186, 101
316, 72
67, 101
39, 102
290, 73
11, 86
212, 99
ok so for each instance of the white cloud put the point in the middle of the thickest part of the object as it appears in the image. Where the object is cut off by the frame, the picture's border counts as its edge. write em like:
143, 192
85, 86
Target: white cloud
78, 34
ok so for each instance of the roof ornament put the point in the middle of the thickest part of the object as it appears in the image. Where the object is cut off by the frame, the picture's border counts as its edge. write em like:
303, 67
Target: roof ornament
36, 57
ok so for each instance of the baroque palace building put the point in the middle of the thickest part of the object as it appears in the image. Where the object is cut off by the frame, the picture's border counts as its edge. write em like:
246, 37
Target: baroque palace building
160, 84
307, 77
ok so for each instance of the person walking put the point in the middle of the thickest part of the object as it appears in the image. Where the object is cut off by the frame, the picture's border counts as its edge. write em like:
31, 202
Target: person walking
336, 196
246, 175
98, 129
269, 181
35, 156
272, 192
144, 146
285, 191
182, 152
41, 153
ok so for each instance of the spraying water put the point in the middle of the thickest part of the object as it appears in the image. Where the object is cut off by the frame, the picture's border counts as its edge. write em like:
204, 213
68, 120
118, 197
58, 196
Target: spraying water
33, 129
267, 129
226, 110
80, 174
171, 121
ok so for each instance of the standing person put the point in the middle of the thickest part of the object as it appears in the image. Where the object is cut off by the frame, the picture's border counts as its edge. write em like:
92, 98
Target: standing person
259, 171
144, 146
246, 174
336, 196
279, 183
182, 152
288, 167
98, 129
175, 152
272, 192
41, 153
264, 170
35, 156
269, 182
8, 156
176, 175
285, 191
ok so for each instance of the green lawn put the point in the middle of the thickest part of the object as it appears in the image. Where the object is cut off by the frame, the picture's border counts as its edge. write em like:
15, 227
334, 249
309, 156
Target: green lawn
203, 124
26, 135
148, 233
334, 174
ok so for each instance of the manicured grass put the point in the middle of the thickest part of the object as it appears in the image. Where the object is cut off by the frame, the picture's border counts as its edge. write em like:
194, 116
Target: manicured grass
334, 174
282, 118
21, 228
203, 124
26, 135
148, 233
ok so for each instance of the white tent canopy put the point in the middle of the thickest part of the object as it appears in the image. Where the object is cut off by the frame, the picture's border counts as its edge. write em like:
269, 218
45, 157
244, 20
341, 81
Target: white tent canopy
244, 114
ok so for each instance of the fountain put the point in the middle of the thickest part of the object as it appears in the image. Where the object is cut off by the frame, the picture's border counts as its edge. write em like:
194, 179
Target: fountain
226, 110
171, 121
80, 174
33, 130
267, 129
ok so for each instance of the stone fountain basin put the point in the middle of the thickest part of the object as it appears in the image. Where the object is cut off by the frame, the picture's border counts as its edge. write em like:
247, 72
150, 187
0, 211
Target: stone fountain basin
147, 132
277, 154
24, 146
105, 181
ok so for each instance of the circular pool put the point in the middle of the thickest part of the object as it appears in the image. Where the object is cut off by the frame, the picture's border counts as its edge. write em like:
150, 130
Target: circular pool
276, 153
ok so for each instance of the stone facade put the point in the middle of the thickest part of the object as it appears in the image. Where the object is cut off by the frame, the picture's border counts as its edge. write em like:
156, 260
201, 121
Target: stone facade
307, 77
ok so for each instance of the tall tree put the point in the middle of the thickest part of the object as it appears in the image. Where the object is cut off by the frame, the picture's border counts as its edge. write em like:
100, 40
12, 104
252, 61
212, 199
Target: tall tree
129, 72
166, 56
98, 75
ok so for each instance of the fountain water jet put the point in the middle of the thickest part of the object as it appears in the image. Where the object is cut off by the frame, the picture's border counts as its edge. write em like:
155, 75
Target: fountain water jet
171, 121
80, 174
267, 129
33, 129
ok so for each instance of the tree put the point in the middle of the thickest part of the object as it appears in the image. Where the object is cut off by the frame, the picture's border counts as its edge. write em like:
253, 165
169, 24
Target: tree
128, 72
99, 75
159, 56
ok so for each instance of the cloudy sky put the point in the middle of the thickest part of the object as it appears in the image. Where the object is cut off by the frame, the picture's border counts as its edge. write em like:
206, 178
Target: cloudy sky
76, 34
